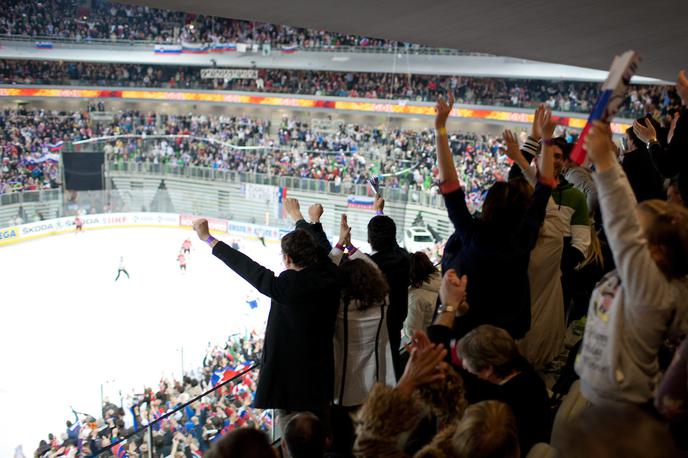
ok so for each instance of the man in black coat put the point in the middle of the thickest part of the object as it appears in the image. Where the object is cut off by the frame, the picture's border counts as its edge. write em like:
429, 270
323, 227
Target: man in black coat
297, 367
394, 262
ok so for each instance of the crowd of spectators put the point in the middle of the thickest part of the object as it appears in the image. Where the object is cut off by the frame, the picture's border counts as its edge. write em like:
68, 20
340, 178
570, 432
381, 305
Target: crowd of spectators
102, 19
461, 384
510, 274
341, 154
188, 433
566, 96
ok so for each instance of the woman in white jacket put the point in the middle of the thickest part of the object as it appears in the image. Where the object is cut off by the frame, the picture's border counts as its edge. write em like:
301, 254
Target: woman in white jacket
362, 353
422, 295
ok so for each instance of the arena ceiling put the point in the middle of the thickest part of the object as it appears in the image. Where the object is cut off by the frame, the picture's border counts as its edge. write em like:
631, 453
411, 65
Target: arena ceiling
586, 33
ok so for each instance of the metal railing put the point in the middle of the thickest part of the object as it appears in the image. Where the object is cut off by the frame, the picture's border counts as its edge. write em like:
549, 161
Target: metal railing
391, 194
43, 195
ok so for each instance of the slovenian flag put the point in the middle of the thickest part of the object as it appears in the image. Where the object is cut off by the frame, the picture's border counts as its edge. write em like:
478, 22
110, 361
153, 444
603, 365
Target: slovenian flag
228, 373
119, 451
223, 47
362, 202
610, 99
194, 48
44, 44
54, 147
289, 49
168, 49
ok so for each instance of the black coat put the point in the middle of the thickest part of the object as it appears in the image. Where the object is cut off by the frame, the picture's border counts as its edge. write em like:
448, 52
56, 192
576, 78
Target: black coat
395, 265
496, 263
297, 368
642, 175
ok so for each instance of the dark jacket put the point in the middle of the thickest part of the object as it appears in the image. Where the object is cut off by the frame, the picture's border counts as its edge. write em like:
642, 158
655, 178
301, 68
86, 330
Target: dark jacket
496, 262
395, 265
297, 367
671, 160
645, 180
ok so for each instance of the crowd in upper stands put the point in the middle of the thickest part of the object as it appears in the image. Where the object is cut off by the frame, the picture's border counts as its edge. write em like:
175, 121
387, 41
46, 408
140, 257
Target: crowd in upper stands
101, 19
193, 429
561, 96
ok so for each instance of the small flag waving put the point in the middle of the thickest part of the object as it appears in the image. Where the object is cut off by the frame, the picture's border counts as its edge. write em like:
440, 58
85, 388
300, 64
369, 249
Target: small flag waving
119, 451
228, 373
612, 96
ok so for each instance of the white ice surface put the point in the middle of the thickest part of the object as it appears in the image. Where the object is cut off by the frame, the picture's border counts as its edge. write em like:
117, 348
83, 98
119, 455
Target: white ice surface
66, 326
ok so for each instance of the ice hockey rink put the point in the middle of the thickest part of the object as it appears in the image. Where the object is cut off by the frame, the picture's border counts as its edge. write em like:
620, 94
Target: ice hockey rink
68, 328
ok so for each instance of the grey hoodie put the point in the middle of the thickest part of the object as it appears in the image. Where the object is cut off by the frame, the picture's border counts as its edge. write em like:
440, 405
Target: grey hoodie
631, 310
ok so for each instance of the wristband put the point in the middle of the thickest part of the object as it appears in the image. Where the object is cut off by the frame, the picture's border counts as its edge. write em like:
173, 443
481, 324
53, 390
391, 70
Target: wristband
379, 213
352, 249
449, 186
442, 131
339, 246
549, 182
210, 239
548, 141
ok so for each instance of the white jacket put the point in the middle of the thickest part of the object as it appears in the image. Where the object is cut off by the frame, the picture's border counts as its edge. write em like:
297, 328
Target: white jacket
421, 306
368, 353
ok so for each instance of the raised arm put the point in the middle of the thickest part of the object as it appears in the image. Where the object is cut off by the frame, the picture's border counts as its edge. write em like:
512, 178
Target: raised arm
450, 187
535, 214
642, 279
531, 146
515, 154
315, 211
445, 162
261, 278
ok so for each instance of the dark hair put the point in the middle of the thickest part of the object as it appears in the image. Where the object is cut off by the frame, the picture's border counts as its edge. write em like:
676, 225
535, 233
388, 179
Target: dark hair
382, 233
564, 146
505, 205
363, 283
305, 436
421, 269
300, 246
242, 443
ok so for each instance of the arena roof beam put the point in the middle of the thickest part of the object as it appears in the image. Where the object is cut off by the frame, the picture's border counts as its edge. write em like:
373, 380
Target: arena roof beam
585, 33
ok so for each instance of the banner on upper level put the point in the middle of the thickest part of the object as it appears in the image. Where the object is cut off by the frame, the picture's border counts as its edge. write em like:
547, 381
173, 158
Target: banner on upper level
228, 73
334, 104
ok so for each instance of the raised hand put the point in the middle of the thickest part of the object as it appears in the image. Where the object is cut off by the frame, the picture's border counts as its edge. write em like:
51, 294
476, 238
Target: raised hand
645, 132
315, 211
600, 147
443, 109
453, 291
201, 228
536, 131
682, 87
379, 204
545, 123
344, 231
293, 209
672, 127
512, 148
424, 366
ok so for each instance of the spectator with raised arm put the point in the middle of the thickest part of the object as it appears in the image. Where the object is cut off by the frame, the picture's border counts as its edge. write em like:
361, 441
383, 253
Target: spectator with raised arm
636, 307
544, 341
297, 368
394, 263
495, 248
